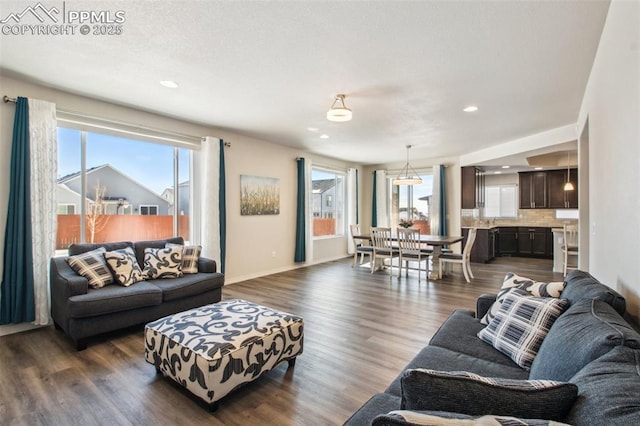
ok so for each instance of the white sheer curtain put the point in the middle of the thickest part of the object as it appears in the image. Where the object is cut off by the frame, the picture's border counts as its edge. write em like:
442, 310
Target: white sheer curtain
352, 204
43, 146
208, 193
382, 198
436, 199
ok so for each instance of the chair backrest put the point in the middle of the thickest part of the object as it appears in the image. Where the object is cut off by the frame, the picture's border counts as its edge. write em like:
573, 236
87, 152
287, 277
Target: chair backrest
381, 238
570, 235
409, 239
471, 238
355, 231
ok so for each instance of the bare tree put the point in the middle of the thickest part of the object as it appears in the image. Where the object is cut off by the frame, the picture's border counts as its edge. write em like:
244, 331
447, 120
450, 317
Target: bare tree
96, 212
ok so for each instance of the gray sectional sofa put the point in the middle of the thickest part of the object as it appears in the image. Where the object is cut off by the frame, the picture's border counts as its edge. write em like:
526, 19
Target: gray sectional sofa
590, 345
81, 311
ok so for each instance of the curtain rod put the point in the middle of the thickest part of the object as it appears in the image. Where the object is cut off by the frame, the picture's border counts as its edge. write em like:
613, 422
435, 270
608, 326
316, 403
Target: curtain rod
77, 115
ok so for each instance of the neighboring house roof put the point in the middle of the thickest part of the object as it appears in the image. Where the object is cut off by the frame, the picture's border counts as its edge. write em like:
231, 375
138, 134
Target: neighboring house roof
77, 175
322, 185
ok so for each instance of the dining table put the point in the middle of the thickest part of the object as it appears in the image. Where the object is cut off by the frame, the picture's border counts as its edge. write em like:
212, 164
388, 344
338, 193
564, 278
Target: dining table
436, 241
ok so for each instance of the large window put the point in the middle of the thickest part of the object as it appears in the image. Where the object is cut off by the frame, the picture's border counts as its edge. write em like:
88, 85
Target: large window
327, 202
500, 201
112, 189
412, 202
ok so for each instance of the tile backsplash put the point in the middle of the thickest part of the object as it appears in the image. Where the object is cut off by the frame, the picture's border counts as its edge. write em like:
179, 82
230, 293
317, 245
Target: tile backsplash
526, 217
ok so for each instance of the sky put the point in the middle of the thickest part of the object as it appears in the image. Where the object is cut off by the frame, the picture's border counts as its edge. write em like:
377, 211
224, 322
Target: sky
151, 164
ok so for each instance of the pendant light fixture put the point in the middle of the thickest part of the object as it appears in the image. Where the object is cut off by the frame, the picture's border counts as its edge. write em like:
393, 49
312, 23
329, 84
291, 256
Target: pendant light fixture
568, 186
407, 175
338, 111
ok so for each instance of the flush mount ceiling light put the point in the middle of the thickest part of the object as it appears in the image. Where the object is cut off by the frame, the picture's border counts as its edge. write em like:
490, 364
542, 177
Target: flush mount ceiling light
170, 84
407, 175
470, 108
338, 111
568, 186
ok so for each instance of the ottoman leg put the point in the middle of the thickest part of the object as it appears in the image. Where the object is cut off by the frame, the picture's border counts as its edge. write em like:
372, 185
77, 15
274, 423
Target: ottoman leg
158, 372
213, 407
292, 362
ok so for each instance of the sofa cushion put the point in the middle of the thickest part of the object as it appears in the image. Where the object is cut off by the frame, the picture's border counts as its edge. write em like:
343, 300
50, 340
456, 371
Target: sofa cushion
459, 333
111, 299
608, 390
160, 263
581, 285
190, 256
587, 330
521, 324
92, 266
185, 286
436, 358
140, 246
534, 288
124, 266
441, 391
439, 418
85, 247
377, 404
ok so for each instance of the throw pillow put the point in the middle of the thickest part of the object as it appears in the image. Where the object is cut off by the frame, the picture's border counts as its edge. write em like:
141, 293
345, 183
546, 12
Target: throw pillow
433, 390
417, 418
124, 266
190, 256
162, 262
92, 266
521, 324
535, 288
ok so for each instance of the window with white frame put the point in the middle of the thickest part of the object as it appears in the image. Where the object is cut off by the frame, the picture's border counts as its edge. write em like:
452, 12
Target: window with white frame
327, 202
106, 182
147, 210
501, 201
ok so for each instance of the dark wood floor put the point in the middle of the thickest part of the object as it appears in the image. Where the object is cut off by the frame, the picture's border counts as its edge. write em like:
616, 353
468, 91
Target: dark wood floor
360, 330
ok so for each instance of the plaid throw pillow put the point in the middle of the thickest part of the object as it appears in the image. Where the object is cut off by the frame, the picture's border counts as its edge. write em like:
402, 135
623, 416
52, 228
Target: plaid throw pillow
162, 262
534, 288
92, 266
521, 324
124, 266
190, 256
417, 418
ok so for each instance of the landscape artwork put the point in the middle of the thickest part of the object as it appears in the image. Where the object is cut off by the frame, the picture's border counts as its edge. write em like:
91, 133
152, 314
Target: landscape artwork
259, 195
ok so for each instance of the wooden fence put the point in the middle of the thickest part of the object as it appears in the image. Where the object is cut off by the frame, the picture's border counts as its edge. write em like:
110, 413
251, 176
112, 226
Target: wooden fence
119, 228
322, 226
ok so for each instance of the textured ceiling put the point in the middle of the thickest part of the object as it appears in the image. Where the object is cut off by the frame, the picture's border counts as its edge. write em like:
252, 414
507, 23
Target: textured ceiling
270, 69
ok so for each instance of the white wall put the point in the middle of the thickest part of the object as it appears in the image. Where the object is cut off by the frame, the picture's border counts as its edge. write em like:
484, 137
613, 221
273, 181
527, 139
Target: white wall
251, 240
612, 106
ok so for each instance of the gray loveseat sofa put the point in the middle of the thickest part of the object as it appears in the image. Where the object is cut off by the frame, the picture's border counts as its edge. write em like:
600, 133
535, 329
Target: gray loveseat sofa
590, 345
81, 311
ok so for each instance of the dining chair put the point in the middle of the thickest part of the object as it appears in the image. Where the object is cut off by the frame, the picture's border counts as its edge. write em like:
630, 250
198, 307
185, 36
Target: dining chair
464, 259
362, 247
411, 250
569, 247
383, 248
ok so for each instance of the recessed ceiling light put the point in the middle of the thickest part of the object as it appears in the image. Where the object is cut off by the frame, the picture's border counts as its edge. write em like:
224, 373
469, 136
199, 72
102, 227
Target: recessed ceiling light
497, 172
538, 168
506, 167
312, 129
170, 84
324, 136
470, 108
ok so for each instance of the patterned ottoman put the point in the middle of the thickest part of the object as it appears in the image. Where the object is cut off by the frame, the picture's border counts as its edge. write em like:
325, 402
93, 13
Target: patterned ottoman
214, 349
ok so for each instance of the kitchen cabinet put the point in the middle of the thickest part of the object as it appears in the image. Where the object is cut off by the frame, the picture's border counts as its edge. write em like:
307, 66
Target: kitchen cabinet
525, 242
533, 190
532, 242
483, 250
558, 197
472, 192
507, 241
